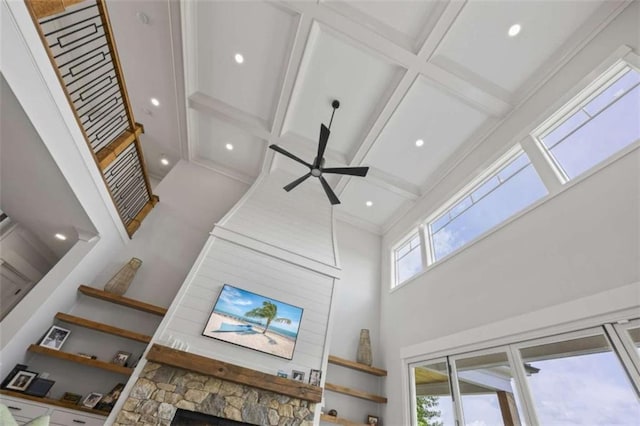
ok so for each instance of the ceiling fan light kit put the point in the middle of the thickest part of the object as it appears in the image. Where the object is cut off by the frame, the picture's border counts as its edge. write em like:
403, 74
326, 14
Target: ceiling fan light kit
316, 169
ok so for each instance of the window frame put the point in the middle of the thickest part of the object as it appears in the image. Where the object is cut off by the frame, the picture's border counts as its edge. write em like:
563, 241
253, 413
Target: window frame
585, 95
492, 171
394, 259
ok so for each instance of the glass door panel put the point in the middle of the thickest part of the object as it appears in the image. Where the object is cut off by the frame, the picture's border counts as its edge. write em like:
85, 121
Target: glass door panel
579, 381
488, 390
434, 404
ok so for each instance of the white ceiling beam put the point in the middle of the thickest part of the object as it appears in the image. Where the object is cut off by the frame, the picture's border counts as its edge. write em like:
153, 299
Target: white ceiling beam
249, 123
297, 52
393, 184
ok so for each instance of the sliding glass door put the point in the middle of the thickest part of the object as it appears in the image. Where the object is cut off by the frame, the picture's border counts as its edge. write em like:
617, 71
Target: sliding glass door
588, 377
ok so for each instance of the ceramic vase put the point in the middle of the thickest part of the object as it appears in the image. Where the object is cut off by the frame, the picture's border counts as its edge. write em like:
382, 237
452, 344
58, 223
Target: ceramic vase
364, 348
121, 281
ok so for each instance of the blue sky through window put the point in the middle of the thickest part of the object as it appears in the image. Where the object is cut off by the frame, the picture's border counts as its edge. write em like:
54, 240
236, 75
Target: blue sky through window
604, 126
513, 188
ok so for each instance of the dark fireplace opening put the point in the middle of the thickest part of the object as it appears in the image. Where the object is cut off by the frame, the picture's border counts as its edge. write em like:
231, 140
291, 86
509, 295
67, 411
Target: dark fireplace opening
191, 418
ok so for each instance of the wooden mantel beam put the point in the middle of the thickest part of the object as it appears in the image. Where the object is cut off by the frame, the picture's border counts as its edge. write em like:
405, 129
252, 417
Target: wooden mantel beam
234, 373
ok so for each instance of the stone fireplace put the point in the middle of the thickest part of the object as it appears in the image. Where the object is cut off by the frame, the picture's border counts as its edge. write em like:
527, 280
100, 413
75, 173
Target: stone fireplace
174, 380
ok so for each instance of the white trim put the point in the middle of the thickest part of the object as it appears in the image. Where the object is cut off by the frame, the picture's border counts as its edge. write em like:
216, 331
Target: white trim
629, 345
356, 221
618, 347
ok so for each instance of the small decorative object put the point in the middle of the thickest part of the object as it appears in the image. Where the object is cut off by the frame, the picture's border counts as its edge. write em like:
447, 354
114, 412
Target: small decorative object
121, 281
298, 376
256, 322
282, 374
22, 380
83, 355
18, 368
333, 413
109, 400
72, 398
121, 358
55, 337
39, 387
372, 420
314, 377
92, 399
364, 348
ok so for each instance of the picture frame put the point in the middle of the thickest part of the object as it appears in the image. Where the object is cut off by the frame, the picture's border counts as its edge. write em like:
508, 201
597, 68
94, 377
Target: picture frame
71, 398
110, 399
55, 337
247, 319
373, 420
314, 377
12, 374
92, 400
298, 376
282, 374
21, 381
40, 387
120, 358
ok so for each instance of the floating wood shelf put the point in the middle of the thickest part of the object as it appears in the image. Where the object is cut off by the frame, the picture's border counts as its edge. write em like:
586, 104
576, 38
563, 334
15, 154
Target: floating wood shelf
81, 360
357, 366
104, 328
55, 402
120, 300
354, 392
339, 421
234, 373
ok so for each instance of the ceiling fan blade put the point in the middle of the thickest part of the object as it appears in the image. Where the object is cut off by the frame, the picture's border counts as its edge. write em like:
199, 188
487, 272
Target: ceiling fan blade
332, 195
353, 171
290, 155
296, 182
322, 144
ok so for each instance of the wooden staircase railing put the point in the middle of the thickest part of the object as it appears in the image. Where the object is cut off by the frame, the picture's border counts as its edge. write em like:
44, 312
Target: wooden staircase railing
78, 37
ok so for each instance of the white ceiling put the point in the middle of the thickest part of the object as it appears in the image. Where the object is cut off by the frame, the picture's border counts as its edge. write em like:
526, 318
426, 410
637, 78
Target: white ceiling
441, 71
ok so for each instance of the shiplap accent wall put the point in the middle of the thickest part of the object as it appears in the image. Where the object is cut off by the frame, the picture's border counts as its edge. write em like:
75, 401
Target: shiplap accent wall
299, 221
273, 243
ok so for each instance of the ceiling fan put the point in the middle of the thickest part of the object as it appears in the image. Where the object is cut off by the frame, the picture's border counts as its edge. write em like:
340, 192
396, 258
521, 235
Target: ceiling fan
316, 169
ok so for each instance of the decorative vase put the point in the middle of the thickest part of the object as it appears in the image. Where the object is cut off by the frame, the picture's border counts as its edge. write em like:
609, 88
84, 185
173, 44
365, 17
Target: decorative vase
364, 348
122, 280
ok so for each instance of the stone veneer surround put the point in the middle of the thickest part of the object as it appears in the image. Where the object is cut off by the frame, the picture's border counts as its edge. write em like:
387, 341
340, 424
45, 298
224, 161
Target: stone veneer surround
162, 389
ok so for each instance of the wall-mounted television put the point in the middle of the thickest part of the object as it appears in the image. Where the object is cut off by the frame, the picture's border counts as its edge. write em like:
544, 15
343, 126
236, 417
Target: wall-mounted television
254, 321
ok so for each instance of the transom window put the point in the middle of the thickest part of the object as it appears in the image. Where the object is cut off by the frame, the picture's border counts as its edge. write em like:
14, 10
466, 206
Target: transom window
598, 127
512, 186
408, 259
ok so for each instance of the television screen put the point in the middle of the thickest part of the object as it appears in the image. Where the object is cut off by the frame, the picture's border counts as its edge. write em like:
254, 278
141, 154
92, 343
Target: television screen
256, 322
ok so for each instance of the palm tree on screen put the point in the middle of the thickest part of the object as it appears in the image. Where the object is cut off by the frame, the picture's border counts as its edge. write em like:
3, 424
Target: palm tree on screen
269, 311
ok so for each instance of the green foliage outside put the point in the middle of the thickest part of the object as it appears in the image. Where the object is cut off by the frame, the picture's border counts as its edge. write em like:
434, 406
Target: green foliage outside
428, 413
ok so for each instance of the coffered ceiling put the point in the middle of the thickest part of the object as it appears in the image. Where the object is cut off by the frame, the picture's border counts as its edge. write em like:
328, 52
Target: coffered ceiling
444, 72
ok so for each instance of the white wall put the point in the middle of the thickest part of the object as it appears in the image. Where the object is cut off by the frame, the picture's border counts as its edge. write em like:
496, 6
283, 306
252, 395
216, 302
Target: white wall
582, 242
356, 306
192, 200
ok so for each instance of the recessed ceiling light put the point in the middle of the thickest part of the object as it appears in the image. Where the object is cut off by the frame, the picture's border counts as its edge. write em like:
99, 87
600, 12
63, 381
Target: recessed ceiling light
514, 30
164, 160
239, 58
229, 147
419, 142
61, 237
369, 203
155, 102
